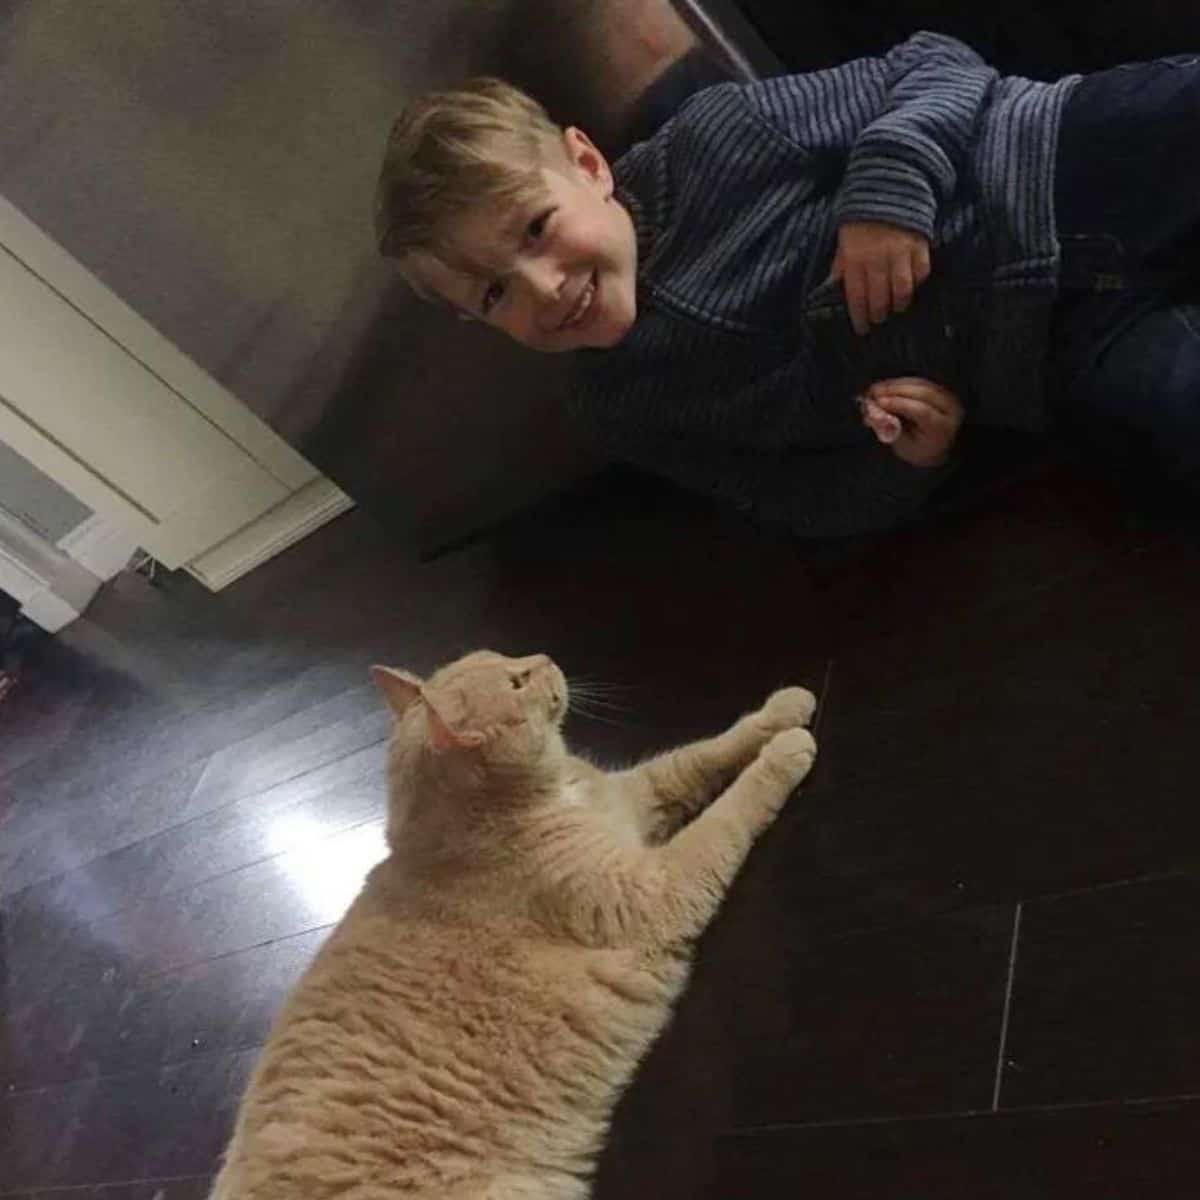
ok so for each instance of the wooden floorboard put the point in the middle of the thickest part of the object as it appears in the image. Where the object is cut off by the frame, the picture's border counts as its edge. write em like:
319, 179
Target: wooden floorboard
961, 963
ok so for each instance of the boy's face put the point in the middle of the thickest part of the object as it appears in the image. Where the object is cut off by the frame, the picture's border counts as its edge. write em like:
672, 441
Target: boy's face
562, 266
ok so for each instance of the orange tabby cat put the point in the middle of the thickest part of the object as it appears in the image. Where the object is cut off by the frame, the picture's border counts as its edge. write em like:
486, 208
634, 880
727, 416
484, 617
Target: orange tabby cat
466, 1031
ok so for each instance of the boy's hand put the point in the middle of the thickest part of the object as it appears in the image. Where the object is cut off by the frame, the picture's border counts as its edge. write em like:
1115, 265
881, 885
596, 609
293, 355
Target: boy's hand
880, 267
918, 419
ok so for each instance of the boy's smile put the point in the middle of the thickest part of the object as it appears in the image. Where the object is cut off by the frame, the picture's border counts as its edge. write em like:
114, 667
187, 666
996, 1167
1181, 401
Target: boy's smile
558, 270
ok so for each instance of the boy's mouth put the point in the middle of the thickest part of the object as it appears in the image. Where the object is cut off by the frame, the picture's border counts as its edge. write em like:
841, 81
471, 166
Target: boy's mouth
582, 306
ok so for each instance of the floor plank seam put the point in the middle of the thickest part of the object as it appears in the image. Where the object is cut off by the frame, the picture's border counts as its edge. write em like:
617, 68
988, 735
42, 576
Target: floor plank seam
1007, 1011
1066, 1106
150, 976
85, 1187
1114, 884
823, 697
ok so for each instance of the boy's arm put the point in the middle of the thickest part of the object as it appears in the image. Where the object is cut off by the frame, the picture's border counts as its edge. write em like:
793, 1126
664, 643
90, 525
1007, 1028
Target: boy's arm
906, 160
896, 128
891, 134
818, 494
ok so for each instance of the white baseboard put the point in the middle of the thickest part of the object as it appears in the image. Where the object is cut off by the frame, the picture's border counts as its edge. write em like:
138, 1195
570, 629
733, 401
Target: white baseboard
52, 589
99, 547
48, 611
300, 514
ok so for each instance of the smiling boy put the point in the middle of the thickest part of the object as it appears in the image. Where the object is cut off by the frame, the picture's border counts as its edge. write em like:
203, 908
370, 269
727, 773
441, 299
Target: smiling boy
558, 270
792, 294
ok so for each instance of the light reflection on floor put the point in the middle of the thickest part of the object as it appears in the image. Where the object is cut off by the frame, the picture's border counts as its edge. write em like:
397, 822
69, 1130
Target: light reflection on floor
326, 871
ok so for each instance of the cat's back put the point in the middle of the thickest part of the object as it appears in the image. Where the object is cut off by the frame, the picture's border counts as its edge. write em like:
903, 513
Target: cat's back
431, 1045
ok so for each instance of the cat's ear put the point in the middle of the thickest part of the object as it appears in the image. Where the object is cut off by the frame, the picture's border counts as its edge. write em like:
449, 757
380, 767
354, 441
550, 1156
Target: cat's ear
399, 688
443, 738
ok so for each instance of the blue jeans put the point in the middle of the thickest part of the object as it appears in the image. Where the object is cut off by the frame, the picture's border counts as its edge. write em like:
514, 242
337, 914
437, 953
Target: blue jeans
1126, 343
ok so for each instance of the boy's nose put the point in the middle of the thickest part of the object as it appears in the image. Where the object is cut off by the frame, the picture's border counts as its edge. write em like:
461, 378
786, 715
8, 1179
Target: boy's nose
544, 280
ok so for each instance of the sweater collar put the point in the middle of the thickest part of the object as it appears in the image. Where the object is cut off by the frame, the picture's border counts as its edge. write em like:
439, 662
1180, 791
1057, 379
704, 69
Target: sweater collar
643, 226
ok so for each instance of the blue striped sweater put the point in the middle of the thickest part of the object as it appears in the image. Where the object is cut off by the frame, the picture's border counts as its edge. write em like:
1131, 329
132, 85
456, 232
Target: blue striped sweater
739, 375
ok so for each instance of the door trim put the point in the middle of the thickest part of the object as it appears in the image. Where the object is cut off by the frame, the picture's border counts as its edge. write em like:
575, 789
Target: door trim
280, 527
82, 291
99, 547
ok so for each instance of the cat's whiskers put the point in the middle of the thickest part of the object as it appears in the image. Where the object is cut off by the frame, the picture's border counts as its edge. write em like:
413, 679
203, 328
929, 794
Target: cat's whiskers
603, 702
584, 709
592, 681
598, 693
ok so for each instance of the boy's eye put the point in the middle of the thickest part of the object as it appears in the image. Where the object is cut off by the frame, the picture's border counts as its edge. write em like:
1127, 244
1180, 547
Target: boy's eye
491, 297
537, 226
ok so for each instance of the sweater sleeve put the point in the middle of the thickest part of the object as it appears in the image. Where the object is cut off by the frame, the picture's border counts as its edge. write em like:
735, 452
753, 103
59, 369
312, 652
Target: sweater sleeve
906, 161
900, 126
817, 494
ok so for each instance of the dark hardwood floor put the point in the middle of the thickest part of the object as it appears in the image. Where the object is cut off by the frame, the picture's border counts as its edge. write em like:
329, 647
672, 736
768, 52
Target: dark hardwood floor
964, 963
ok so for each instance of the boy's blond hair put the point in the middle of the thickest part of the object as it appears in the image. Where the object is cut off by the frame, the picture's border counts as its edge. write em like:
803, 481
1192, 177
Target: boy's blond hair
449, 152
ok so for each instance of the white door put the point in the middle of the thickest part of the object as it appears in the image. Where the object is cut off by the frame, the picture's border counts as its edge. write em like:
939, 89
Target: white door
100, 402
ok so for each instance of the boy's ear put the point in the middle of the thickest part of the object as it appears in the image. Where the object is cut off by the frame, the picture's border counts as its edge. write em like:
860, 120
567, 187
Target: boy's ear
399, 688
585, 157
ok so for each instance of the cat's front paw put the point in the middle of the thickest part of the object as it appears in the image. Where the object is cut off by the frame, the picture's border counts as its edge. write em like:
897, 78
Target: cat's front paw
791, 754
787, 708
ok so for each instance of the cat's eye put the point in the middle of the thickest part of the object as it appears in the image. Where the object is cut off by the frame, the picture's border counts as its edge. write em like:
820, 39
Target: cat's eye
519, 680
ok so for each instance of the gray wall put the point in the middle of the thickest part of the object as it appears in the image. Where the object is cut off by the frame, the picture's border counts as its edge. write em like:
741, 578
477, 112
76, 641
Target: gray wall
213, 161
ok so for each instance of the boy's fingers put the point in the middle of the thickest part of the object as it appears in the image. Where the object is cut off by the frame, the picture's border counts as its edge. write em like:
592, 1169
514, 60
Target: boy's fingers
920, 263
906, 381
872, 412
856, 300
879, 293
914, 389
884, 426
907, 408
902, 285
919, 389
